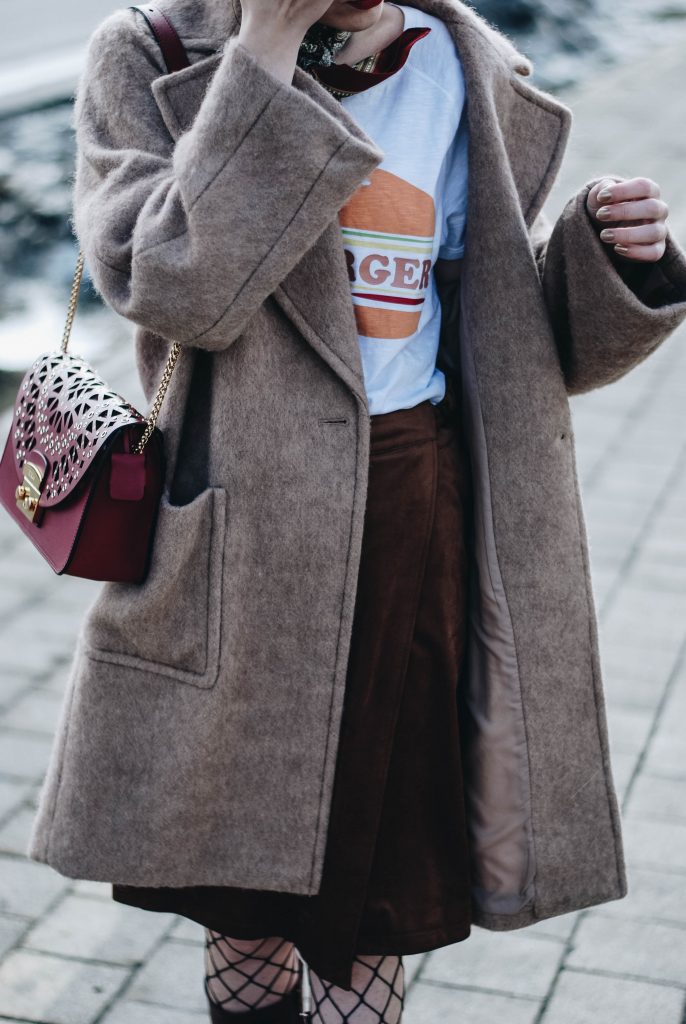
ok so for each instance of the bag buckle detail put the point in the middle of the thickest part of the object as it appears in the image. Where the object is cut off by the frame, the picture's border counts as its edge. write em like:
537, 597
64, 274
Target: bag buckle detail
28, 492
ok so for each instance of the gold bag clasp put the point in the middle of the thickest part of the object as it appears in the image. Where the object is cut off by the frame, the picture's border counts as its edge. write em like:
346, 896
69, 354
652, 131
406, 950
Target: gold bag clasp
27, 493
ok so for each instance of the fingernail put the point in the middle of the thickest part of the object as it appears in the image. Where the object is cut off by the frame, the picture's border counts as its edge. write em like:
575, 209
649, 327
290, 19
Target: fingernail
605, 196
621, 248
604, 213
607, 235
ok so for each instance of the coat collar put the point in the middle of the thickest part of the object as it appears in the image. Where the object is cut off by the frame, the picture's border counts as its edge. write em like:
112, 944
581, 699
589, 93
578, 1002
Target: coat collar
522, 135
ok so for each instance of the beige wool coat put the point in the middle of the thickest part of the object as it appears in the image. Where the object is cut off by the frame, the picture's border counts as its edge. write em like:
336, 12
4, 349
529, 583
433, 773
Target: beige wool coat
199, 736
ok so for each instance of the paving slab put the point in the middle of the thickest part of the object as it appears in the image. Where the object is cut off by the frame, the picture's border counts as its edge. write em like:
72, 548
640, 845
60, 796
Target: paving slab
657, 844
515, 964
11, 931
89, 929
23, 755
653, 896
629, 728
172, 977
34, 711
185, 930
95, 890
433, 1004
128, 1012
581, 998
14, 680
41, 649
652, 796
15, 831
55, 681
624, 768
16, 661
22, 570
667, 755
13, 793
413, 965
635, 679
28, 889
52, 990
642, 618
560, 927
634, 949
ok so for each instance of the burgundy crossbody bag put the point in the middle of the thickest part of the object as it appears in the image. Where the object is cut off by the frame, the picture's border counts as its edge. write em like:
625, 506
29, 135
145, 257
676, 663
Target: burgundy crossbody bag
82, 470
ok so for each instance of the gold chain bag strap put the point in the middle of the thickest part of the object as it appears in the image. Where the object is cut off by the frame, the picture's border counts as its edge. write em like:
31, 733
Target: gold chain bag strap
151, 420
82, 470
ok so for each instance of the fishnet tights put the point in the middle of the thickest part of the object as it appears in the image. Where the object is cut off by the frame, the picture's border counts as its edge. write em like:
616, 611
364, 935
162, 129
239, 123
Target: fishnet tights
376, 997
243, 975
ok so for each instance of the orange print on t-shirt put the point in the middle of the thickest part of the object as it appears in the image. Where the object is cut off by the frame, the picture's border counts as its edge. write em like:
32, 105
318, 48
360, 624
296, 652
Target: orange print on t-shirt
388, 230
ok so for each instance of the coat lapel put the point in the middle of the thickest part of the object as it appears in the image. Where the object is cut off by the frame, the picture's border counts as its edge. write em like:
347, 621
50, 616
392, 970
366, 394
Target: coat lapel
323, 272
180, 94
526, 126
530, 126
328, 325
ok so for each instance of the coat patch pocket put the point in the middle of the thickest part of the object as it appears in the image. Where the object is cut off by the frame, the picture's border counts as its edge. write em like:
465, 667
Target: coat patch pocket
170, 623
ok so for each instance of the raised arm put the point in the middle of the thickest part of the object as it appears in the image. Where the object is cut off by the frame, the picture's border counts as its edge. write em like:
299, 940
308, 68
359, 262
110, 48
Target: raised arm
188, 238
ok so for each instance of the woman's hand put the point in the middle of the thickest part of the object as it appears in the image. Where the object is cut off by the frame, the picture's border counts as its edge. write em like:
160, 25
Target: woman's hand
290, 17
272, 31
632, 216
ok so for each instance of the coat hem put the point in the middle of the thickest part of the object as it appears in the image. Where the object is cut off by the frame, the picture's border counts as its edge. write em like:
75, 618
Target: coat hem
533, 914
69, 868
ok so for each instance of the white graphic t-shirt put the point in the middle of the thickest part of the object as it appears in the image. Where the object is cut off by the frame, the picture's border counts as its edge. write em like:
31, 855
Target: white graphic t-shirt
407, 213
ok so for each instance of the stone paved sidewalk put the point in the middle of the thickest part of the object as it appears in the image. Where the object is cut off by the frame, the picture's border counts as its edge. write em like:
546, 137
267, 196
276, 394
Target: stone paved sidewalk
72, 956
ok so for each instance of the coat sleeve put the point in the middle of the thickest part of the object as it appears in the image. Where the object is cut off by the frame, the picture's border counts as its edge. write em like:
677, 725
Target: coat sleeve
188, 238
608, 314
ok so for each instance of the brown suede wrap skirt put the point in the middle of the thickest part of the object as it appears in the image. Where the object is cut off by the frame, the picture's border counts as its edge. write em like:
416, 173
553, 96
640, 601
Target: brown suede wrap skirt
396, 869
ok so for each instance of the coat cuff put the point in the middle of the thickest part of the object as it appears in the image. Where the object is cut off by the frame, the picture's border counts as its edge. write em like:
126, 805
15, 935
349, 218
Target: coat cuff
249, 112
603, 327
655, 285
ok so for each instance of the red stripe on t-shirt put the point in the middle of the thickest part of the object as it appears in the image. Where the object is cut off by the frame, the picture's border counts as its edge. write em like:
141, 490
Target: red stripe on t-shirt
389, 298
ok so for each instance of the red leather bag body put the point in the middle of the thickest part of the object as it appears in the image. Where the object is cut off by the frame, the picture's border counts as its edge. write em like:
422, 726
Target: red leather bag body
70, 449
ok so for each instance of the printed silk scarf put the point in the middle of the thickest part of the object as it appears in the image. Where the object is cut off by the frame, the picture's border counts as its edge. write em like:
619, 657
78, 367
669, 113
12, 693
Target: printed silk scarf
320, 45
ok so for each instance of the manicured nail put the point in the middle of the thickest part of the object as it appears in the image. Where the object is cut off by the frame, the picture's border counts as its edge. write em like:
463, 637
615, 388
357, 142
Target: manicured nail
605, 196
621, 248
607, 235
604, 213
